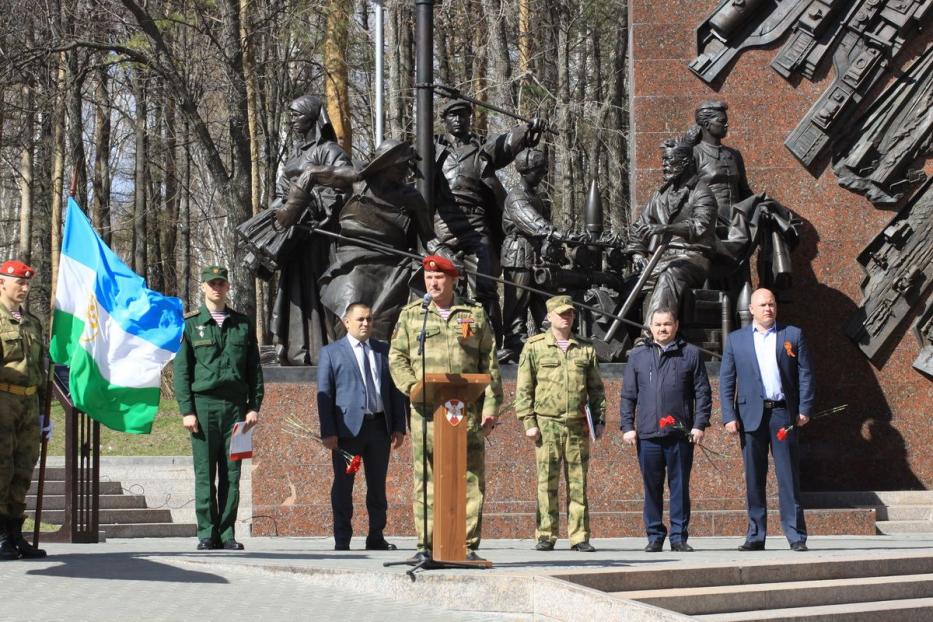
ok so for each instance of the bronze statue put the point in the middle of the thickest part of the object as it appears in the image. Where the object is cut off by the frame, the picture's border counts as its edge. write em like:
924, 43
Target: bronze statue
527, 224
298, 322
384, 209
468, 216
679, 223
744, 221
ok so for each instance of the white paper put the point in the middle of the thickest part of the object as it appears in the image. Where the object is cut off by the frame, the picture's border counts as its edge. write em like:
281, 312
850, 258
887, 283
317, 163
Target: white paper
241, 443
589, 422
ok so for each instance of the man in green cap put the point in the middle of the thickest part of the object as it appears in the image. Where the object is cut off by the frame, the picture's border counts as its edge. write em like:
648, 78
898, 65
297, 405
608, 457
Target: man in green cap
218, 382
558, 379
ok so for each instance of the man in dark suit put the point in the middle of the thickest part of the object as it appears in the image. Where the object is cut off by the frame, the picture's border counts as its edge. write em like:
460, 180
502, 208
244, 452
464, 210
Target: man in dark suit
361, 412
766, 384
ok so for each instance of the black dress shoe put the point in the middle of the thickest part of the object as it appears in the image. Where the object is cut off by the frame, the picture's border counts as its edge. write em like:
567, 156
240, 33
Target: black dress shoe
752, 546
654, 546
800, 546
544, 545
473, 556
681, 547
342, 546
206, 544
584, 547
380, 545
419, 557
232, 545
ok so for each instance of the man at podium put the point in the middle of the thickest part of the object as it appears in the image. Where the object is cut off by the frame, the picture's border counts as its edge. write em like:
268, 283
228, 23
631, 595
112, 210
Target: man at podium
458, 340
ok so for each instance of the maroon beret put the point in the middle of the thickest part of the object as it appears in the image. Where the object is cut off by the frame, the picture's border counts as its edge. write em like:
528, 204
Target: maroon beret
436, 263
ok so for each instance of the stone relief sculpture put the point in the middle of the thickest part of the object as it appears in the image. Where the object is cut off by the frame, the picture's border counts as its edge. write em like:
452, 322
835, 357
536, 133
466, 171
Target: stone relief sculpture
898, 266
923, 330
889, 137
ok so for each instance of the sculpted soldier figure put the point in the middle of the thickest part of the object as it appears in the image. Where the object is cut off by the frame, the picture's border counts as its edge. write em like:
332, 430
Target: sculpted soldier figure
458, 340
384, 208
468, 213
558, 378
744, 220
684, 210
527, 223
298, 319
22, 385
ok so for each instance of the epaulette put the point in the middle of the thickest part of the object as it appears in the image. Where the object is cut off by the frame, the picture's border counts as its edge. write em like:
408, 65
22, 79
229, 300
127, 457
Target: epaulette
583, 340
412, 304
192, 314
537, 337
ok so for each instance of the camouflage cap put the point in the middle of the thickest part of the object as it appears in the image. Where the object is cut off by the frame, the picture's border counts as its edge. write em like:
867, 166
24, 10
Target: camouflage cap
209, 273
559, 304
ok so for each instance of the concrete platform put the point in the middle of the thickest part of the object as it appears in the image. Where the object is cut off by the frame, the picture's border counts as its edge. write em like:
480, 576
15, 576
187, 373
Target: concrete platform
157, 579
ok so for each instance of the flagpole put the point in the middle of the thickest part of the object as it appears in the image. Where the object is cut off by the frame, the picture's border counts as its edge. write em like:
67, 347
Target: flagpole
49, 370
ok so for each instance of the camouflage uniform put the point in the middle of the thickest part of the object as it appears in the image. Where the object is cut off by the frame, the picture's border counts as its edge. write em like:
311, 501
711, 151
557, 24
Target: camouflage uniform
456, 346
551, 392
22, 385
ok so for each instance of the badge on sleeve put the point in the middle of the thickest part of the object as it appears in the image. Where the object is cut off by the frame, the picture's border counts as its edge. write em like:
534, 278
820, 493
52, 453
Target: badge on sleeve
454, 411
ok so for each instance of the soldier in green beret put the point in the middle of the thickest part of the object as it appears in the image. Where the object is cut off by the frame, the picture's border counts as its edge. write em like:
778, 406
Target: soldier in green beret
218, 381
458, 340
22, 385
558, 377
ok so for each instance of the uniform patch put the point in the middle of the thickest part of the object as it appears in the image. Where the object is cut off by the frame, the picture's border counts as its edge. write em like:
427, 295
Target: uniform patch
466, 326
454, 411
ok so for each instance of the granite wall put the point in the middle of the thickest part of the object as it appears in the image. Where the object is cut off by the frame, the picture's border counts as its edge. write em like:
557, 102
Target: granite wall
882, 442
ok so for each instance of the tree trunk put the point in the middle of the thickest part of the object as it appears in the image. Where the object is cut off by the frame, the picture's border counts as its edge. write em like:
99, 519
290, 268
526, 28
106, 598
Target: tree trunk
169, 228
336, 91
141, 177
58, 172
76, 129
26, 165
564, 143
500, 65
100, 206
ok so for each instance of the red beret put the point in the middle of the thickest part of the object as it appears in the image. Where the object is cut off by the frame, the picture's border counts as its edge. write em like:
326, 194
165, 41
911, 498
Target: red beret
436, 263
16, 269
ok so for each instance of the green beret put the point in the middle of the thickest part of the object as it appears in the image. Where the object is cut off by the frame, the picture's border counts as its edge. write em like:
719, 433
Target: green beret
209, 273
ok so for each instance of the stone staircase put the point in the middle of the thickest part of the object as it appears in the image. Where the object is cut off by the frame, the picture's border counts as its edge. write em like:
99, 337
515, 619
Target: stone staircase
140, 497
880, 588
896, 511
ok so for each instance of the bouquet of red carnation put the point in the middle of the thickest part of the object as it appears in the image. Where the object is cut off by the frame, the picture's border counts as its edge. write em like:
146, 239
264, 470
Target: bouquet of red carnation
296, 428
786, 430
671, 422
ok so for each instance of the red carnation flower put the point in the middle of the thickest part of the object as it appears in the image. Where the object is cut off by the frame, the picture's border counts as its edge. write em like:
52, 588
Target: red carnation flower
354, 465
783, 432
666, 421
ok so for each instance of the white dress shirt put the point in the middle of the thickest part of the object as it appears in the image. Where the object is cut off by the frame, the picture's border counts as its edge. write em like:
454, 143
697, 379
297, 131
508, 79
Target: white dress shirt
359, 348
766, 353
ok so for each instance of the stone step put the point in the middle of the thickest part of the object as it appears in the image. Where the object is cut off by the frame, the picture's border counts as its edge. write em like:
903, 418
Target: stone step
150, 530
107, 502
58, 488
889, 527
905, 512
56, 517
851, 521
751, 571
906, 610
867, 498
762, 596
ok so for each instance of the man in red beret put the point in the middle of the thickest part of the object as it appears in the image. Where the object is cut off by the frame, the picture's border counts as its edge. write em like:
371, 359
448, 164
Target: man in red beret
458, 340
22, 382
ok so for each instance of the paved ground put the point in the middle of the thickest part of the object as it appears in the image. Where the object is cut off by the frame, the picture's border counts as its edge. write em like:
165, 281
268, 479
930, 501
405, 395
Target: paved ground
166, 579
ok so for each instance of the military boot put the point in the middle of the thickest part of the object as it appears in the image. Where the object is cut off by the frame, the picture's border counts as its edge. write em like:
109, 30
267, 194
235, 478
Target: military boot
25, 549
7, 548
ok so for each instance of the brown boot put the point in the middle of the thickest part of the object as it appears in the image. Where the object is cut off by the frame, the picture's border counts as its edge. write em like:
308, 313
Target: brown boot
25, 549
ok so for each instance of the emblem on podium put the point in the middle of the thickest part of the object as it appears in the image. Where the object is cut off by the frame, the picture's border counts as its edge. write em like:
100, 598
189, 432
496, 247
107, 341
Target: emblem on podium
454, 411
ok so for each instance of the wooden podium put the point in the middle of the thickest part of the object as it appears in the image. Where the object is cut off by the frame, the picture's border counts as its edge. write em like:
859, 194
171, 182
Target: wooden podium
450, 395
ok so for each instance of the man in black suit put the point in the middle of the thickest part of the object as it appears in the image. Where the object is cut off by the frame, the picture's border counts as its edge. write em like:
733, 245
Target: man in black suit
361, 412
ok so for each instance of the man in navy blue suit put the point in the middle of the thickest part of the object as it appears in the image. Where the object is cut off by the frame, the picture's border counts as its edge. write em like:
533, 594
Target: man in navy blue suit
361, 412
766, 384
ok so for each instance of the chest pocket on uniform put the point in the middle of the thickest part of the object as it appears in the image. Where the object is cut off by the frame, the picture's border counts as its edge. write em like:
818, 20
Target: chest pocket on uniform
12, 346
549, 363
430, 332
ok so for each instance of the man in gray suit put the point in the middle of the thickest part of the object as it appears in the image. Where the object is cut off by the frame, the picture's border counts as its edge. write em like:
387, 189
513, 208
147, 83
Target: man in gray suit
361, 412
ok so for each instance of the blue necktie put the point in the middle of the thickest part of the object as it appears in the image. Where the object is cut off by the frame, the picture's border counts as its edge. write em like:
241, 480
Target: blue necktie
370, 383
